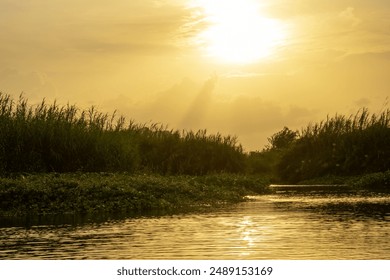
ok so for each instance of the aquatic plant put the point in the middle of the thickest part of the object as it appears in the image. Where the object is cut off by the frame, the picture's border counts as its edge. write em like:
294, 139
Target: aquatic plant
54, 138
59, 193
340, 145
375, 181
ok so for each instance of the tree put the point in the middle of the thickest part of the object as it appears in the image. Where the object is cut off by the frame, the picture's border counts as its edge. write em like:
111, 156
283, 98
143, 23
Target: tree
282, 139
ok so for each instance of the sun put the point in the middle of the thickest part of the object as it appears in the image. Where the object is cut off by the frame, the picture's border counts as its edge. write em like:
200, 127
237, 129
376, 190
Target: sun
236, 31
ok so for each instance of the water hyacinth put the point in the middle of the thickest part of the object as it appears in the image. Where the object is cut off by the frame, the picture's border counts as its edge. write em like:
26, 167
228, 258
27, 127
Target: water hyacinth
80, 192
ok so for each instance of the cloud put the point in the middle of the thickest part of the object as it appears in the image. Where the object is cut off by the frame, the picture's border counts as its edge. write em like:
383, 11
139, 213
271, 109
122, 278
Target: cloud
192, 105
133, 56
51, 30
363, 102
320, 37
244, 74
348, 17
302, 8
196, 112
253, 119
32, 83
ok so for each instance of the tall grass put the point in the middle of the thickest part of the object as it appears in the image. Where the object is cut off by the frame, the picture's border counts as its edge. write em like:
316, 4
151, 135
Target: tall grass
50, 137
340, 145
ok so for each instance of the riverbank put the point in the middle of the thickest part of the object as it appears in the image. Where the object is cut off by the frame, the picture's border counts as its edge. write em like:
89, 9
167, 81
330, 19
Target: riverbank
54, 193
379, 181
121, 193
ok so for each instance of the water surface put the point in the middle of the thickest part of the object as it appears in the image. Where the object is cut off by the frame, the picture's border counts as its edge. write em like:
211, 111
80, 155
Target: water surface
292, 223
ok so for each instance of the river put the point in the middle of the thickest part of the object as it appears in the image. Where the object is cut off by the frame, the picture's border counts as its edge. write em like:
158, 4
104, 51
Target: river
292, 223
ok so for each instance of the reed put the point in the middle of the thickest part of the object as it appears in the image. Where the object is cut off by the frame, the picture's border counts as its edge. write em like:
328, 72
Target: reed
54, 138
340, 145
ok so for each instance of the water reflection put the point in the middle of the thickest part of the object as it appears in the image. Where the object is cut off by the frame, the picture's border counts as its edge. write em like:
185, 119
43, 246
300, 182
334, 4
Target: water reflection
315, 225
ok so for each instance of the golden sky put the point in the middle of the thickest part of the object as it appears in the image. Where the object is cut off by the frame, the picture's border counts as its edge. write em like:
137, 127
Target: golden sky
240, 67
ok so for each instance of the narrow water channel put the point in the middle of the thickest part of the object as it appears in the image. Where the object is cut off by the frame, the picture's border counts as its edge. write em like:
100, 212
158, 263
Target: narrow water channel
292, 223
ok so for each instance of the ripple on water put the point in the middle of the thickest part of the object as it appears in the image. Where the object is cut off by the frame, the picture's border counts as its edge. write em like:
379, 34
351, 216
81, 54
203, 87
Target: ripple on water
281, 226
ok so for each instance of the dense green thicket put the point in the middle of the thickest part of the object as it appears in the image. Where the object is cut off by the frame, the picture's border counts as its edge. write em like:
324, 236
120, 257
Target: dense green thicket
340, 145
47, 138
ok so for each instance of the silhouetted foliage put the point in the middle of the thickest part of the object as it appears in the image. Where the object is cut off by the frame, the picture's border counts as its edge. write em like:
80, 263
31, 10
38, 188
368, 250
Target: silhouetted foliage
265, 162
282, 139
341, 145
53, 138
57, 138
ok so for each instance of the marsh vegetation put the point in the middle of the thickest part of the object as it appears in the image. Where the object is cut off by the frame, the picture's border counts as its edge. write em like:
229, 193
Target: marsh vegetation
54, 138
60, 158
338, 147
56, 193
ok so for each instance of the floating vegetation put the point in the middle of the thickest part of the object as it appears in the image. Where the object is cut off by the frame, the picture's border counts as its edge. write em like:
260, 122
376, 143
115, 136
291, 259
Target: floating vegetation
121, 192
